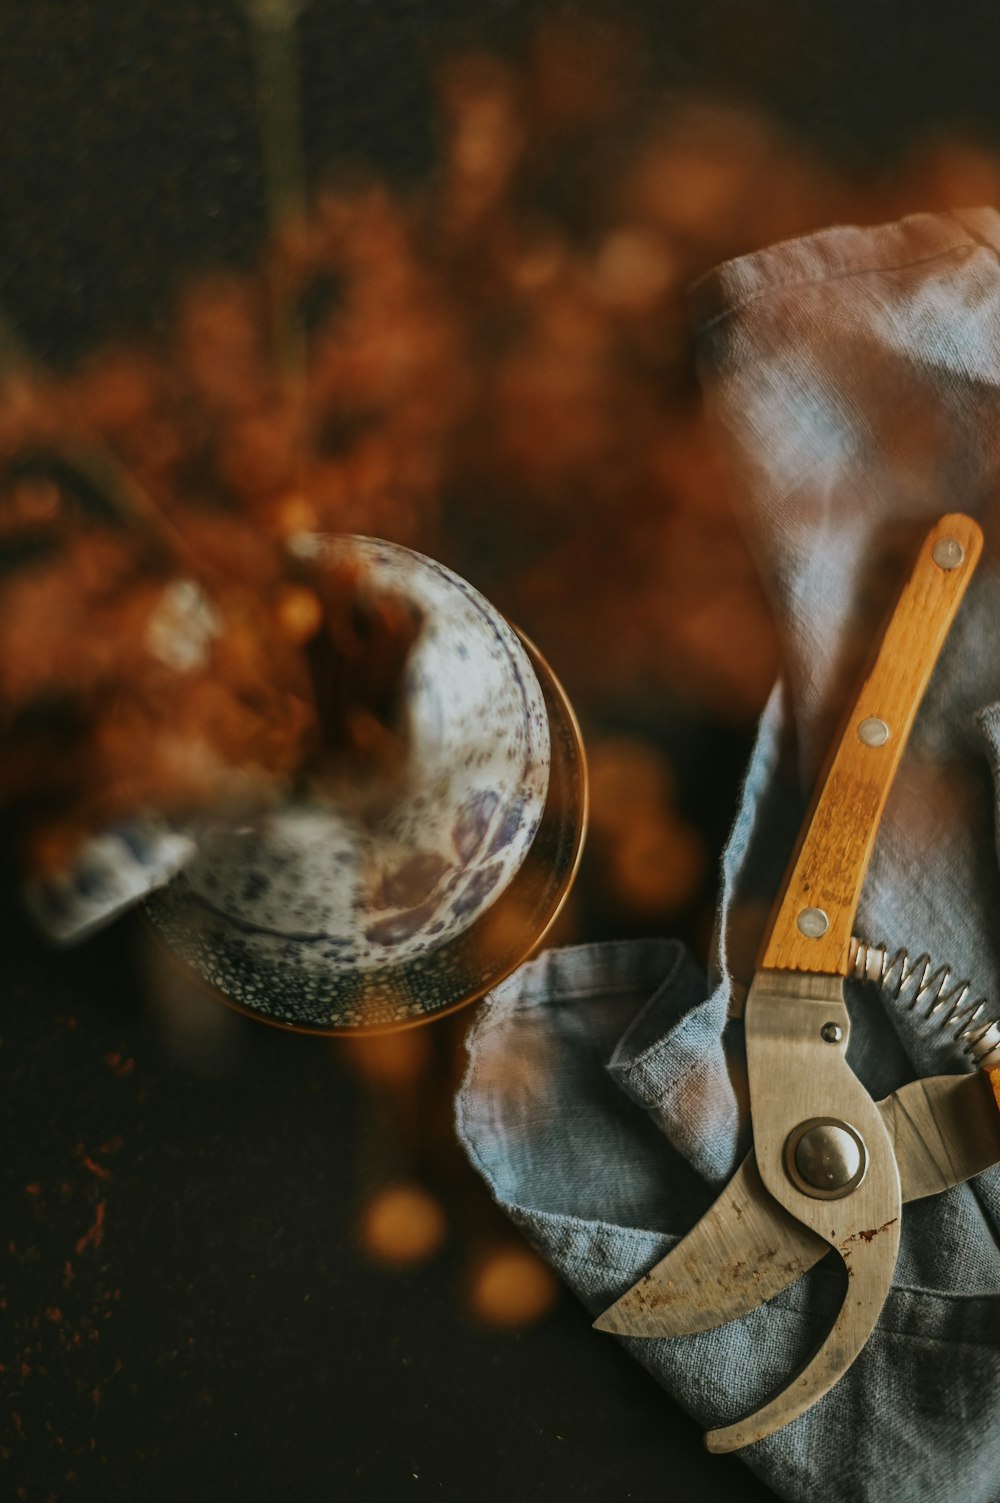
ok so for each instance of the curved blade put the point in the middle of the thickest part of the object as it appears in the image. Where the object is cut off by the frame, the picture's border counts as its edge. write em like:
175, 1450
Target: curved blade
870, 1259
744, 1250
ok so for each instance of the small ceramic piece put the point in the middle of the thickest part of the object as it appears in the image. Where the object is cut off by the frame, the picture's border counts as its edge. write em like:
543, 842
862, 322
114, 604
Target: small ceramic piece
367, 893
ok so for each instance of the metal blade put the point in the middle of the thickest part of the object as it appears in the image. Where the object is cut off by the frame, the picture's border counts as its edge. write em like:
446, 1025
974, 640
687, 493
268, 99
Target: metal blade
944, 1130
747, 1248
870, 1257
744, 1250
835, 1172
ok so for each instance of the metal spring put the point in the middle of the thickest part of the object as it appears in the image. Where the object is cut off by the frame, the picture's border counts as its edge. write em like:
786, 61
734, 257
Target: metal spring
934, 1000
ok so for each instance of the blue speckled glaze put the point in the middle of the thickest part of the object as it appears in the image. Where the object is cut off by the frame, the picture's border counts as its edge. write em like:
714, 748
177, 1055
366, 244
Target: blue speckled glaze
352, 895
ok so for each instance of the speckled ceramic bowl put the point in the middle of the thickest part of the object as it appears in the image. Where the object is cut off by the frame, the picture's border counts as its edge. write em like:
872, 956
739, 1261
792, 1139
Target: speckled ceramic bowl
367, 896
277, 979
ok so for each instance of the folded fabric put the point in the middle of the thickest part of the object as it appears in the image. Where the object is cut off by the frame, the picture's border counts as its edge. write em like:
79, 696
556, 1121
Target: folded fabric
854, 380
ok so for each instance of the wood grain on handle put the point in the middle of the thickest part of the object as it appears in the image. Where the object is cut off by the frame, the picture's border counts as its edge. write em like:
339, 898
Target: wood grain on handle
994, 1077
836, 847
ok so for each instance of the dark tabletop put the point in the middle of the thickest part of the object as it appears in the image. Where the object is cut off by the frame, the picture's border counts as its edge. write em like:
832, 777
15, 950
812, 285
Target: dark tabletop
187, 1314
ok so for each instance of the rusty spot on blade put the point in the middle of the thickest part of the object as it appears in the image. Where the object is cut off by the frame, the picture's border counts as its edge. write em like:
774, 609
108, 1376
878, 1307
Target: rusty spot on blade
871, 1233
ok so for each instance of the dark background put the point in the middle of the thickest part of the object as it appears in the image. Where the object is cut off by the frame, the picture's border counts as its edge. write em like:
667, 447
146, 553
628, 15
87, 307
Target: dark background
130, 133
220, 1335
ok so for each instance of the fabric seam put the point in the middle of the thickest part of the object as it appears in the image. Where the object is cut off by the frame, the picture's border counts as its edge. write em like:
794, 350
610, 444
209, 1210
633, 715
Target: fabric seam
835, 276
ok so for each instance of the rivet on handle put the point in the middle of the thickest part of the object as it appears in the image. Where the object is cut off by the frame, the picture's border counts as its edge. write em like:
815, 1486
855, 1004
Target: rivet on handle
873, 731
948, 553
813, 923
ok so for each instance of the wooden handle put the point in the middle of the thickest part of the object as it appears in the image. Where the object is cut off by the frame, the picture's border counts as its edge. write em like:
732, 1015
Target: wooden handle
994, 1077
811, 930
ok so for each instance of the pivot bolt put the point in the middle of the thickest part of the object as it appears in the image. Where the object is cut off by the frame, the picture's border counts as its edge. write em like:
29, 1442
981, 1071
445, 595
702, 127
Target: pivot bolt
826, 1158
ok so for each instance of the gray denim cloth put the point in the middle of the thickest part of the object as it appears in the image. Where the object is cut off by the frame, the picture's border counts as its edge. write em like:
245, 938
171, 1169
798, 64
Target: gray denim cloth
854, 380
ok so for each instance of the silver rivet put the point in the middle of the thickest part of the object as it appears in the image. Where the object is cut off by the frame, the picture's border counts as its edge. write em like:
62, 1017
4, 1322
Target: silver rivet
948, 553
812, 922
873, 732
832, 1033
